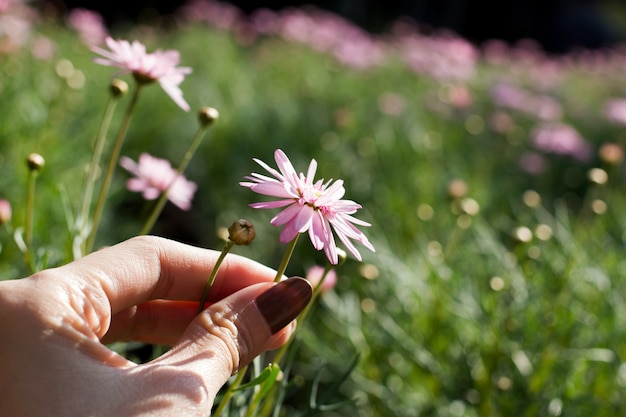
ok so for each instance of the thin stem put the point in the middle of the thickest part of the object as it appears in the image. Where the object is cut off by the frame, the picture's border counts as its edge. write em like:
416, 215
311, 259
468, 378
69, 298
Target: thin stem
213, 274
108, 177
254, 403
93, 166
286, 257
158, 208
303, 314
256, 400
28, 221
230, 391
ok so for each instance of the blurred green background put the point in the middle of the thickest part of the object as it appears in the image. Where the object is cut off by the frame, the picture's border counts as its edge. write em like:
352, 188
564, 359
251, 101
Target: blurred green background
499, 281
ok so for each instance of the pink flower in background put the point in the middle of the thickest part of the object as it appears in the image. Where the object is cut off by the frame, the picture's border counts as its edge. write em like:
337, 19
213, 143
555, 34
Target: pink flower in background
153, 176
541, 106
315, 273
615, 111
5, 211
561, 139
160, 66
310, 206
89, 25
533, 163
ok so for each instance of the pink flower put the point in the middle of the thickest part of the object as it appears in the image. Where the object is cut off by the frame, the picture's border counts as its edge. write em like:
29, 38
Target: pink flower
160, 66
5, 211
561, 139
615, 111
153, 176
315, 273
312, 206
89, 25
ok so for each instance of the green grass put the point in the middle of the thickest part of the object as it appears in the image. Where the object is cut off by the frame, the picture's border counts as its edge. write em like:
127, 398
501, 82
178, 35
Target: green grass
452, 316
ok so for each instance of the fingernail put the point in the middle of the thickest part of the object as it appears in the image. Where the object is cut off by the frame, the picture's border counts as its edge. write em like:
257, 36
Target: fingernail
283, 302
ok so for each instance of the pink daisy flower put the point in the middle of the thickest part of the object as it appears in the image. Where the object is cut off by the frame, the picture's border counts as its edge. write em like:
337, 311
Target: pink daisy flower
312, 206
153, 176
160, 66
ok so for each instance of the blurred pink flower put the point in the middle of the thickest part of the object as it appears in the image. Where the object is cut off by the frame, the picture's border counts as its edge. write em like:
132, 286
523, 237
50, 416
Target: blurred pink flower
89, 25
160, 66
443, 56
615, 111
533, 163
561, 139
42, 48
540, 106
153, 176
314, 276
311, 206
5, 211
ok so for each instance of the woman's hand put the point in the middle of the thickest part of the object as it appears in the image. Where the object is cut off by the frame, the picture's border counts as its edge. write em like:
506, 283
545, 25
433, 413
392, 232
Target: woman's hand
53, 324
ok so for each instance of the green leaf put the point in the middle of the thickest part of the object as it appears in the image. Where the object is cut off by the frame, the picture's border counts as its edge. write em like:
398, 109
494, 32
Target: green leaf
269, 374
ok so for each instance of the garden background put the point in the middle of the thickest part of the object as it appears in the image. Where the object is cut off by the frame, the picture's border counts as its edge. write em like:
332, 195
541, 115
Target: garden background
492, 174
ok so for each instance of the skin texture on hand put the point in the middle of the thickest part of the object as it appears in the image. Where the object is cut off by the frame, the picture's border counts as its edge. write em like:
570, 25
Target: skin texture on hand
52, 357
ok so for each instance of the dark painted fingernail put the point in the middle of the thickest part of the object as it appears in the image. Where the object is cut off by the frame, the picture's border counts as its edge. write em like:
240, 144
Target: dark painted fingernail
284, 301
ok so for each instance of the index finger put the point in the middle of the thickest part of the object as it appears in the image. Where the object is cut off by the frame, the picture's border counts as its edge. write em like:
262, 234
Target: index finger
147, 268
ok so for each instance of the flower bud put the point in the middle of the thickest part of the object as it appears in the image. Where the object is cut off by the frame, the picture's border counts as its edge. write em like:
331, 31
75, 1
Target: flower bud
341, 256
5, 211
35, 162
208, 116
118, 88
241, 232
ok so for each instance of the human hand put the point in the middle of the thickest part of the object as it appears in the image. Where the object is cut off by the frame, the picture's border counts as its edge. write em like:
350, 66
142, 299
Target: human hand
53, 324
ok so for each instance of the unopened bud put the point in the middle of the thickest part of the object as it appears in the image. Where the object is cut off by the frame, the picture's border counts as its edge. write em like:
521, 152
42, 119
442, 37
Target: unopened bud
35, 162
341, 256
5, 211
118, 88
241, 232
208, 116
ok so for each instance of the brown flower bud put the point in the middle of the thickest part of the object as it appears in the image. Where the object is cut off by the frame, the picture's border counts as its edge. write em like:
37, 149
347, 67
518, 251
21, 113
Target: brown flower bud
241, 232
35, 162
118, 88
208, 116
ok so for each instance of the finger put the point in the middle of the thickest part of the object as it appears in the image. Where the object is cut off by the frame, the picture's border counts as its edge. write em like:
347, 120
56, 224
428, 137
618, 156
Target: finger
149, 268
230, 333
159, 322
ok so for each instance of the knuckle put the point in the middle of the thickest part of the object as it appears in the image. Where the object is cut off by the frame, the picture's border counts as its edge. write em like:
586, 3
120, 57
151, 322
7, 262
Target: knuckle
218, 324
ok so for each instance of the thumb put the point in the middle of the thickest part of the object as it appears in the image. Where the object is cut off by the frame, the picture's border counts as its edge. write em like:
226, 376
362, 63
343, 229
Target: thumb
230, 333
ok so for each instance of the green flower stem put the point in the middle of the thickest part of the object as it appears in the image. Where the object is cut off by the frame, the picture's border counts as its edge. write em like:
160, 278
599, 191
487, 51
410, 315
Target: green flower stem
229, 392
254, 403
286, 257
93, 166
256, 400
108, 177
28, 221
158, 207
304, 313
213, 274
